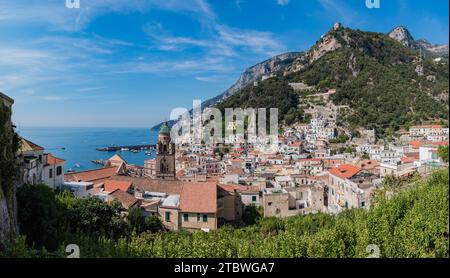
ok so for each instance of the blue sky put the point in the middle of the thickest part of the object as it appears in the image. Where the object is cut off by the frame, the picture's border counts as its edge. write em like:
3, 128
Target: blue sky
130, 62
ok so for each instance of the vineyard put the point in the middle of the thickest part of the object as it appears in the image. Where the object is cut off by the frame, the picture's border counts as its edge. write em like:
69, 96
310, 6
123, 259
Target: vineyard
412, 223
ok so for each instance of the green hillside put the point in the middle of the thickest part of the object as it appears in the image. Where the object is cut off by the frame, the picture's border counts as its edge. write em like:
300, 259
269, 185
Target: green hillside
386, 85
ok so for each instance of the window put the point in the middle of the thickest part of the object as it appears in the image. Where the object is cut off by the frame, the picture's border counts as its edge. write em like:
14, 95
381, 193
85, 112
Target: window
185, 217
167, 216
50, 173
58, 171
198, 217
253, 199
363, 204
270, 203
205, 218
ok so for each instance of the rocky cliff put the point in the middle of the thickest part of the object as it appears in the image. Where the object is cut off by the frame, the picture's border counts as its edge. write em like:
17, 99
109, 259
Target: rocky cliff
402, 35
256, 73
8, 147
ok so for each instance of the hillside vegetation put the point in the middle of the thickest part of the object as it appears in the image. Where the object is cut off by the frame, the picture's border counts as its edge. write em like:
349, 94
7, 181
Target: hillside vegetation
413, 223
387, 85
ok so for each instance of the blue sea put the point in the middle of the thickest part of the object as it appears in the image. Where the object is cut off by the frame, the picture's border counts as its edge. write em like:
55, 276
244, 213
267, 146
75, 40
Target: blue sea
80, 143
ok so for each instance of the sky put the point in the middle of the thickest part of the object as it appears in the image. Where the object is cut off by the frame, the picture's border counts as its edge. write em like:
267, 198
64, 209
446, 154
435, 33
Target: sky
128, 63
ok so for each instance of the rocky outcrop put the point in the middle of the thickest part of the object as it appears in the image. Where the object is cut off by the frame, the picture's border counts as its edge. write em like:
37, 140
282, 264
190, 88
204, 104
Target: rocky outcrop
439, 50
256, 73
402, 35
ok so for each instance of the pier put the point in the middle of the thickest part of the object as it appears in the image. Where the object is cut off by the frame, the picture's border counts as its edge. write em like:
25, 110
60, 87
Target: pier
126, 148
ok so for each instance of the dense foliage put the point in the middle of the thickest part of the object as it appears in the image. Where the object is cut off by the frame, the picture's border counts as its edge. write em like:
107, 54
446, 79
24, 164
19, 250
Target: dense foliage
270, 93
9, 144
443, 153
62, 217
414, 222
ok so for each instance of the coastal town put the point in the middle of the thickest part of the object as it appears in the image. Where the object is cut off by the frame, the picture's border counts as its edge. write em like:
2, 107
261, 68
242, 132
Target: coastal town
316, 167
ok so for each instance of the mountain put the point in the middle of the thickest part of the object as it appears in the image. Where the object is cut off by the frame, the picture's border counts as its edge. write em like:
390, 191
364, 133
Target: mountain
388, 81
253, 74
402, 35
383, 79
256, 73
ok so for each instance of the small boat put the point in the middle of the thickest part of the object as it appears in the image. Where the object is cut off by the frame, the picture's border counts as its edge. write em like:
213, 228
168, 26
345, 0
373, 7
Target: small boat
124, 149
71, 170
77, 165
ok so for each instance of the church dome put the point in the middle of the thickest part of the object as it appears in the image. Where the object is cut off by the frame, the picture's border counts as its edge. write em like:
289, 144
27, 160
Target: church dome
164, 129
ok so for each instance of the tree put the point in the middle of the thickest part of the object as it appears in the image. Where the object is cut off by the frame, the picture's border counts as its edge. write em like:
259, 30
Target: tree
92, 216
443, 153
140, 223
38, 216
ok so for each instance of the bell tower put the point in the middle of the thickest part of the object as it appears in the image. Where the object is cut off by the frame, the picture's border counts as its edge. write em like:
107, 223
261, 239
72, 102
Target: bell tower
165, 154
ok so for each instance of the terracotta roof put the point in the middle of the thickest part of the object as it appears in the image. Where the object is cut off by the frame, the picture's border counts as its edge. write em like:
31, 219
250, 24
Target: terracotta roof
127, 200
153, 185
368, 164
113, 185
296, 144
51, 160
406, 159
26, 145
345, 171
181, 173
116, 160
96, 175
199, 197
415, 155
415, 144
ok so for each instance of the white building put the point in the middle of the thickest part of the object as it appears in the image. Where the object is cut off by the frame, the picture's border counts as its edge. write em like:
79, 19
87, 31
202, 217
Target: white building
53, 171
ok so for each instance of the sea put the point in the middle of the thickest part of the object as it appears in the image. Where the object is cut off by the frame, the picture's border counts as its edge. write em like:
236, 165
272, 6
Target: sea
78, 145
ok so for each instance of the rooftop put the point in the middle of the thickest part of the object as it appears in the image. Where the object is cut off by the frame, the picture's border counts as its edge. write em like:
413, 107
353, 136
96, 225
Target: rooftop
113, 185
52, 160
7, 98
127, 200
199, 197
92, 175
26, 145
345, 171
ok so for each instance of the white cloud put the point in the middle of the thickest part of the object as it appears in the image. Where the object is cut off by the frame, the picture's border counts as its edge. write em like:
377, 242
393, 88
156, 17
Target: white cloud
55, 14
222, 41
283, 2
53, 98
212, 78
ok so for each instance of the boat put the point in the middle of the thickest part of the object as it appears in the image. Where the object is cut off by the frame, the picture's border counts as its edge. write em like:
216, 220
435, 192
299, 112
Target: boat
124, 149
71, 170
148, 153
135, 151
77, 165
